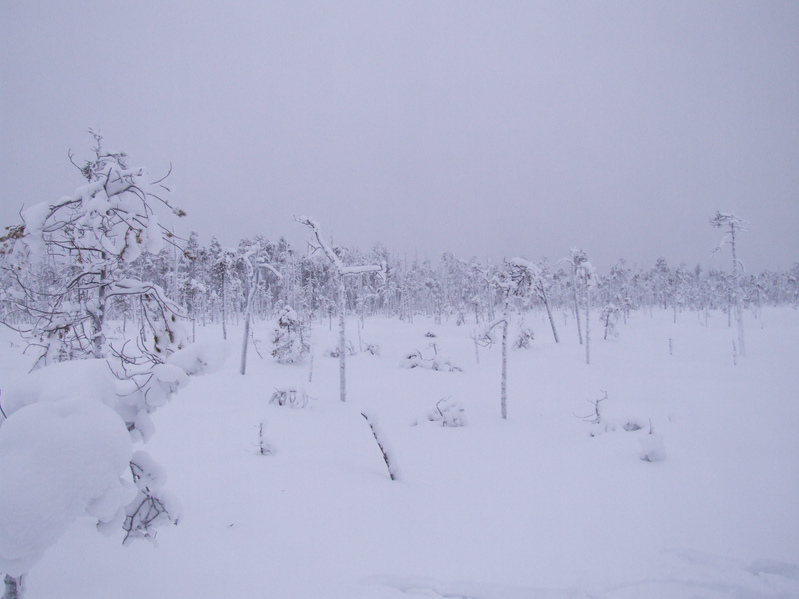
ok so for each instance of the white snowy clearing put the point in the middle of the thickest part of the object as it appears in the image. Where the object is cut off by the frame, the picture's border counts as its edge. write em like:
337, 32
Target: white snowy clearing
546, 504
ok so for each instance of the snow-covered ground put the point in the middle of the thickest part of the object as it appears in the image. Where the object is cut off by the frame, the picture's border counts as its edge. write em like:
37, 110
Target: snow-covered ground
545, 504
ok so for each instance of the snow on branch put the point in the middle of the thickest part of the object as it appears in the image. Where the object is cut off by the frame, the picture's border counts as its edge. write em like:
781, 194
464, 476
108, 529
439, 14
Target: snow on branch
320, 240
534, 269
331, 254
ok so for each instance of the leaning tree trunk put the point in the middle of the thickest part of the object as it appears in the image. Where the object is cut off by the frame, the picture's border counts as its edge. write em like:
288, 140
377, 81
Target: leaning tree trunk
549, 311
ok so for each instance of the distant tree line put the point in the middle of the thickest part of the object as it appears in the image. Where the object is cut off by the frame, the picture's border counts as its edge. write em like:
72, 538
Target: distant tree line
213, 284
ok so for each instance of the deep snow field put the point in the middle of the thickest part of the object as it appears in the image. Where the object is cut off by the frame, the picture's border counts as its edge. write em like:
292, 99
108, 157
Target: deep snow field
543, 505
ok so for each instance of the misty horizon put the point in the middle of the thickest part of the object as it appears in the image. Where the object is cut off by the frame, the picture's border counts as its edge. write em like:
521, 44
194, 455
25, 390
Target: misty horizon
491, 131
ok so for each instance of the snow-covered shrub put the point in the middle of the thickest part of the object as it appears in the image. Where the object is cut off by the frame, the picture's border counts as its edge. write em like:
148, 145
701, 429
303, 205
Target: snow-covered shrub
292, 396
153, 506
652, 448
372, 348
651, 444
66, 443
448, 413
333, 352
200, 358
524, 337
429, 360
290, 338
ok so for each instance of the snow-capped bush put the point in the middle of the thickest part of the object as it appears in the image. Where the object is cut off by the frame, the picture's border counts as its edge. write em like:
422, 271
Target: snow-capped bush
153, 507
292, 396
66, 450
428, 360
333, 352
58, 460
448, 412
652, 448
200, 358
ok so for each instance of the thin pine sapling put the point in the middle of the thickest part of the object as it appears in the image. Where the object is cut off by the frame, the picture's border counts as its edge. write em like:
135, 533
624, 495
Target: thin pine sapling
512, 281
610, 317
253, 275
290, 339
733, 225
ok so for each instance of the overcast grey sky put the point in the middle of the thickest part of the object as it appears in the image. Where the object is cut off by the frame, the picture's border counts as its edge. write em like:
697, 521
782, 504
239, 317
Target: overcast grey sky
484, 128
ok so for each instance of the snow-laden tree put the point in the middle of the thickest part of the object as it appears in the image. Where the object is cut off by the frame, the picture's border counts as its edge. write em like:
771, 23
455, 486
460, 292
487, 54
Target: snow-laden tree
68, 261
341, 272
223, 279
536, 285
70, 258
733, 225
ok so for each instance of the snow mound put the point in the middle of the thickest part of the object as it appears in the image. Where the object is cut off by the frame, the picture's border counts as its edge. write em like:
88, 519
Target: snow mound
45, 450
200, 358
